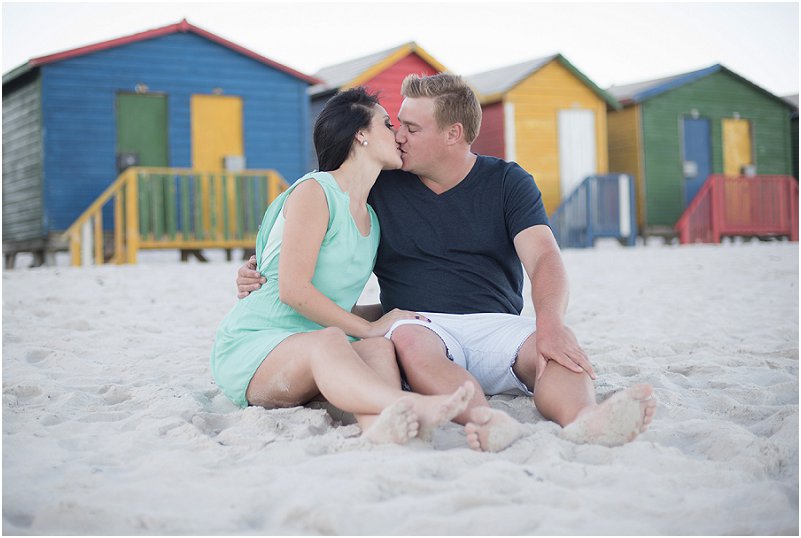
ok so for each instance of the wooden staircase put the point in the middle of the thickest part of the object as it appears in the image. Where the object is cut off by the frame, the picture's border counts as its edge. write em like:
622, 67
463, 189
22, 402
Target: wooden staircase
758, 206
601, 206
172, 208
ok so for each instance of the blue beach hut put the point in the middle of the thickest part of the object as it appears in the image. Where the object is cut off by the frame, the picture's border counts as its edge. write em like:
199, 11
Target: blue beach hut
176, 96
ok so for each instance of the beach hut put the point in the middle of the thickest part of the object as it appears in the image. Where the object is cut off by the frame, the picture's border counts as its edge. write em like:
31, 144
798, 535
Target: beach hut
382, 72
175, 96
547, 116
674, 132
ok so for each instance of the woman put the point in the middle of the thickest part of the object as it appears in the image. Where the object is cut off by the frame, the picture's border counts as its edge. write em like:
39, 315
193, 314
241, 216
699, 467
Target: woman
295, 337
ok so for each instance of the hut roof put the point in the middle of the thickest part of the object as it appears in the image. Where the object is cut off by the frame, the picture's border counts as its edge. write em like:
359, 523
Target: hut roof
182, 27
491, 85
642, 91
359, 70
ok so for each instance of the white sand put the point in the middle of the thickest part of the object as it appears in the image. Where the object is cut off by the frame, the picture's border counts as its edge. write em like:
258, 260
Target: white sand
113, 425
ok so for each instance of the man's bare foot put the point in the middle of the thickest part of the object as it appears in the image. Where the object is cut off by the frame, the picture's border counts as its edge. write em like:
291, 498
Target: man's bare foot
396, 424
617, 421
433, 411
491, 430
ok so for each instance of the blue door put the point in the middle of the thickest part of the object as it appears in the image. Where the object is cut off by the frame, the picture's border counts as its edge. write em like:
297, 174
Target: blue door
697, 155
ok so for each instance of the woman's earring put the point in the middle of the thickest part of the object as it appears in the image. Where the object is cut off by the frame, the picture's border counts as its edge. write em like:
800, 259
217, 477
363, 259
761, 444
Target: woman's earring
364, 142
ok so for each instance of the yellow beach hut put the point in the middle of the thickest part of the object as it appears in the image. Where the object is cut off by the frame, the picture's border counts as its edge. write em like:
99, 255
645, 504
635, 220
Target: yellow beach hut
547, 116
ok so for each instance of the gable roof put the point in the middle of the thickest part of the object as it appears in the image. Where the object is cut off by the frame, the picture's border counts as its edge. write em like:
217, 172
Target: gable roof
642, 91
182, 27
357, 71
492, 85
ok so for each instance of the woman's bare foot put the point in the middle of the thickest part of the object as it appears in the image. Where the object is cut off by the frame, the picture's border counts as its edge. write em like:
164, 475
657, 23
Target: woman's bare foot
617, 421
433, 411
491, 430
396, 424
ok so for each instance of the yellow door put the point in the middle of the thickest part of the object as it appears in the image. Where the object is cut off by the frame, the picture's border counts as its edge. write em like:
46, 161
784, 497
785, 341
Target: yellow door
216, 134
736, 146
216, 130
736, 155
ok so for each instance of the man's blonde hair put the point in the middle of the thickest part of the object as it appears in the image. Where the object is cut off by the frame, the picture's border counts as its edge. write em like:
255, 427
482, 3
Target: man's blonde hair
454, 101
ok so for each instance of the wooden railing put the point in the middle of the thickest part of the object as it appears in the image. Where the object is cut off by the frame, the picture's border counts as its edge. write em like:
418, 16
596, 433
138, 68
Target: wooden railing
759, 206
601, 206
172, 208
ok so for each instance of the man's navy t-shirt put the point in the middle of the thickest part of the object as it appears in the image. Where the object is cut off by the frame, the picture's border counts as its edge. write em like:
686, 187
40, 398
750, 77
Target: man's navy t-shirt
454, 252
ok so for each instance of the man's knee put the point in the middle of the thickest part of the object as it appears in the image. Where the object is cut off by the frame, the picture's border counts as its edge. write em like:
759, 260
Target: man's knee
407, 338
415, 344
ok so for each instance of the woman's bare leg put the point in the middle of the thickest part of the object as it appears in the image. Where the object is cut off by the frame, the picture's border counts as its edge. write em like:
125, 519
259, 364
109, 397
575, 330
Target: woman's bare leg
324, 362
378, 354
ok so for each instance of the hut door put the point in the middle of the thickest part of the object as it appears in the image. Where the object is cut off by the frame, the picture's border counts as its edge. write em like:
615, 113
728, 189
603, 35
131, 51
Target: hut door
216, 130
577, 158
141, 130
697, 156
736, 146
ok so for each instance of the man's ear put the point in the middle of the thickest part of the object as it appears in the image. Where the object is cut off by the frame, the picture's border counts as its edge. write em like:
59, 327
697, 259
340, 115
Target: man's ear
455, 133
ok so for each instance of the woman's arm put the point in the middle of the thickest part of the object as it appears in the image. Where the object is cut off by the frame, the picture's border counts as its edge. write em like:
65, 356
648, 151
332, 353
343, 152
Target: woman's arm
306, 214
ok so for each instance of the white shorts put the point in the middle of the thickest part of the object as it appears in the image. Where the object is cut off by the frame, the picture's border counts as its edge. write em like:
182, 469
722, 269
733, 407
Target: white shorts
486, 345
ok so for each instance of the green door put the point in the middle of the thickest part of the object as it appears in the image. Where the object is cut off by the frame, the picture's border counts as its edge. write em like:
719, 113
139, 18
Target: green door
142, 141
141, 130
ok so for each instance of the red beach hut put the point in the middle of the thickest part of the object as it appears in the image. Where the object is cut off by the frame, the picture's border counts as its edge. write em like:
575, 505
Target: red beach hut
382, 71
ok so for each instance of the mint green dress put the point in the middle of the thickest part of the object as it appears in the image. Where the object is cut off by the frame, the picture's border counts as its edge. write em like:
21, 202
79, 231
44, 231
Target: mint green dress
260, 321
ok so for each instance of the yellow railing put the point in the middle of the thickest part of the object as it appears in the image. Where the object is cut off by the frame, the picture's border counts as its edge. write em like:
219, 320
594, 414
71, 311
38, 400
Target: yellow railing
172, 208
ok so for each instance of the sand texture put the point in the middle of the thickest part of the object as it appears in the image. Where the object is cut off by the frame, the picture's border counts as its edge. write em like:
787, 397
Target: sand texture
112, 423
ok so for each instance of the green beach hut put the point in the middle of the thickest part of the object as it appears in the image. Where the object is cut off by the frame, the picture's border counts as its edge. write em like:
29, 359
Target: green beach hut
672, 133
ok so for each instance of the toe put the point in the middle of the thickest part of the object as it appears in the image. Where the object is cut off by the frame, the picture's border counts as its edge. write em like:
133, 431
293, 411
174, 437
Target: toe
641, 391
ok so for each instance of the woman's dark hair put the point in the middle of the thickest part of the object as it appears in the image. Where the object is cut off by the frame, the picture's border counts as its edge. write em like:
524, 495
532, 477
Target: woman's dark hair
335, 130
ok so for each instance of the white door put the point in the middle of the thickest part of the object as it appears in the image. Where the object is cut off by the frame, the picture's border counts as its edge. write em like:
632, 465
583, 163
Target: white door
577, 158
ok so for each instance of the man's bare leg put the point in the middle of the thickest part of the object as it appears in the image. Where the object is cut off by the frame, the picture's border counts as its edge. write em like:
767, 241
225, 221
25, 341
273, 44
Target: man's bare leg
618, 420
568, 398
428, 370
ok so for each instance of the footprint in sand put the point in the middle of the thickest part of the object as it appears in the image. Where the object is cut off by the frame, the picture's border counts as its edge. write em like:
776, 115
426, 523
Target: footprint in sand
113, 395
37, 355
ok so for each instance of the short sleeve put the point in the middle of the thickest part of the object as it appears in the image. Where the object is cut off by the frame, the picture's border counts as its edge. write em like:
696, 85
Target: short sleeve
523, 207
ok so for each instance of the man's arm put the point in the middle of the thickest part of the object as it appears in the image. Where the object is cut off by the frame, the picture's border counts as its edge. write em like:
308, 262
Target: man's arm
542, 261
248, 279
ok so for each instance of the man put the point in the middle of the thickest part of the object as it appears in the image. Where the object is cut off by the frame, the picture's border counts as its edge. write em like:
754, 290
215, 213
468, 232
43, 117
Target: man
455, 228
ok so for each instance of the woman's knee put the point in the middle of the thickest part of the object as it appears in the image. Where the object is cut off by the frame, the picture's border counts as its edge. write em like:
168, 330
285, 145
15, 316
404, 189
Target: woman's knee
380, 348
329, 338
378, 354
